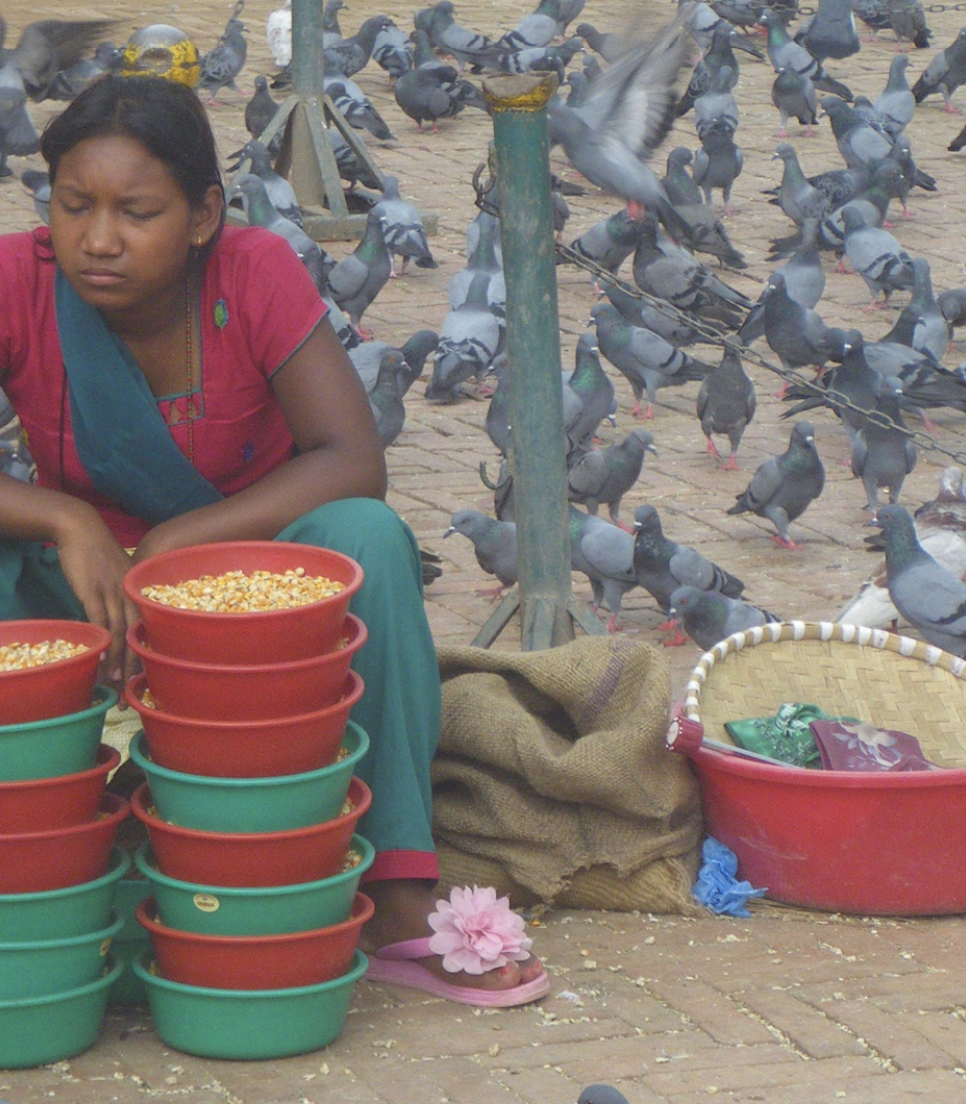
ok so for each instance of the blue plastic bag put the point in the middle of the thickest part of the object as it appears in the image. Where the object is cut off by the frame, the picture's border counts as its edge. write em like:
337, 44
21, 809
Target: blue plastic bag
717, 887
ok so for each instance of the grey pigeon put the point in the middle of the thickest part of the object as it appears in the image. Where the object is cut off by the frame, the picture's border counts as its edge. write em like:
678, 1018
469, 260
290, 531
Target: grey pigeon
858, 141
784, 486
483, 259
607, 474
661, 565
431, 91
719, 57
605, 554
623, 119
279, 190
785, 53
908, 19
391, 50
494, 542
796, 195
18, 136
448, 36
876, 256
944, 74
358, 278
601, 1094
353, 103
952, 303
797, 334
72, 81
403, 229
883, 453
643, 357
260, 109
351, 168
707, 616
873, 14
261, 212
831, 33
795, 97
804, 282
535, 30
921, 323
718, 163
352, 54
609, 242
896, 101
502, 490
928, 596
385, 399
606, 43
47, 48
591, 384
469, 339
537, 59
497, 422
678, 182
726, 403
366, 356
224, 61
718, 105
672, 325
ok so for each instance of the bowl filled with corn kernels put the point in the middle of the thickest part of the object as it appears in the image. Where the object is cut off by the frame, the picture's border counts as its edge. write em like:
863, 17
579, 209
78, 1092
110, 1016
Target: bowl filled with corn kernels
245, 602
48, 668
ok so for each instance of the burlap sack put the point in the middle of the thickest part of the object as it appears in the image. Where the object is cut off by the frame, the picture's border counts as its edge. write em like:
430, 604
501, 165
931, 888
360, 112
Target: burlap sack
552, 782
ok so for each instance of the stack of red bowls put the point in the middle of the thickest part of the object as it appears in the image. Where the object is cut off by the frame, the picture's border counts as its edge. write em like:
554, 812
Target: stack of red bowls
58, 871
228, 697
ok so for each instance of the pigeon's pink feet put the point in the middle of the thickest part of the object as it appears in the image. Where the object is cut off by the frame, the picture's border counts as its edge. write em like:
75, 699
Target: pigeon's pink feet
887, 225
679, 638
668, 626
907, 213
950, 110
789, 544
781, 133
713, 449
809, 133
780, 394
642, 415
364, 335
498, 591
874, 305
841, 269
626, 528
732, 464
728, 211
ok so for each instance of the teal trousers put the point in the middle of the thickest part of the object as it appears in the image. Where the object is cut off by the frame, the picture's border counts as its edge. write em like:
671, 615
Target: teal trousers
400, 709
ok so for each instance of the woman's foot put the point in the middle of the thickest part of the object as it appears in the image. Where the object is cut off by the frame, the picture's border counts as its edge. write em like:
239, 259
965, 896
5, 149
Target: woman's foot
402, 908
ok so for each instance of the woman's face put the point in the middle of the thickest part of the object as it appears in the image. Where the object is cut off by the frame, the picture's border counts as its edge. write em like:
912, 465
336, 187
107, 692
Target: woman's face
121, 226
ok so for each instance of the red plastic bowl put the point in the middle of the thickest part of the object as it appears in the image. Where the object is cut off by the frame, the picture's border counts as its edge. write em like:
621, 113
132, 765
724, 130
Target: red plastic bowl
31, 862
59, 802
245, 749
219, 692
255, 961
52, 689
251, 858
268, 636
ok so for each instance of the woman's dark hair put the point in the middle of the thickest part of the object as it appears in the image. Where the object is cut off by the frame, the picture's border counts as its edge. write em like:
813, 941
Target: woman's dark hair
165, 117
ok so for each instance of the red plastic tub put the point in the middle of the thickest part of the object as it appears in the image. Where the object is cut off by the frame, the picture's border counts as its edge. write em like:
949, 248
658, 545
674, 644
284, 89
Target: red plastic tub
252, 858
32, 862
266, 636
245, 749
255, 961
222, 692
43, 804
52, 689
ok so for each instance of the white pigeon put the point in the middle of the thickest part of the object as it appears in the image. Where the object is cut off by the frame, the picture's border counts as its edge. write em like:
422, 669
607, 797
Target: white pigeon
278, 31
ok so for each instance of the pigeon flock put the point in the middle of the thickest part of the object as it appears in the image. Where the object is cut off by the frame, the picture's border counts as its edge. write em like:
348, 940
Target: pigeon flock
760, 220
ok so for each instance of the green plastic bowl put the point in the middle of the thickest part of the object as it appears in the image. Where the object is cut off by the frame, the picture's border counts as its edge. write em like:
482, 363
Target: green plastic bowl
274, 804
128, 988
60, 745
269, 910
254, 1024
61, 913
38, 1030
42, 967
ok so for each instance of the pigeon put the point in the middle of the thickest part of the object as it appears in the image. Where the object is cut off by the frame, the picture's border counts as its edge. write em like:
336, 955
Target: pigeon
797, 196
351, 101
494, 542
431, 90
707, 616
794, 95
608, 44
403, 229
921, 323
469, 339
717, 164
941, 529
952, 303
261, 212
591, 384
859, 143
944, 74
18, 136
601, 1094
534, 31
537, 59
358, 278
260, 109
502, 490
958, 142
908, 19
351, 55
609, 242
709, 72
895, 102
439, 21
385, 399
366, 356
927, 596
671, 324
605, 554
883, 453
678, 182
643, 357
726, 403
849, 388
796, 334
785, 53
831, 32
48, 47
484, 258
873, 14
351, 168
804, 282
278, 33
784, 486
606, 475
391, 50
876, 256
661, 565
497, 421
224, 61
70, 82
279, 190
38, 184
623, 119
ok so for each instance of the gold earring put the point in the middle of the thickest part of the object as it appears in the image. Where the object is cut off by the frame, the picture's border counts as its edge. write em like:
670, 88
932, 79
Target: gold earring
198, 242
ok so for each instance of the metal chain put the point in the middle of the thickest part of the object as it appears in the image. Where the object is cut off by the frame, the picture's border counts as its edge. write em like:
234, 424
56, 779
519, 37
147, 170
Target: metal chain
712, 336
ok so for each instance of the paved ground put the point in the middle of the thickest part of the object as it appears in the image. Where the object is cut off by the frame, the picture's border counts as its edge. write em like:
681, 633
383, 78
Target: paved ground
785, 1008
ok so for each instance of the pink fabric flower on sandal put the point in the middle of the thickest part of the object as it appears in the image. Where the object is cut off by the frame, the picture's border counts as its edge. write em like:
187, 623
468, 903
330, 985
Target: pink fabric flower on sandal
475, 931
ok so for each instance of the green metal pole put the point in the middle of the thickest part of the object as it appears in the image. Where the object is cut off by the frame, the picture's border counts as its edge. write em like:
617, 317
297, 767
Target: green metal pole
307, 49
537, 460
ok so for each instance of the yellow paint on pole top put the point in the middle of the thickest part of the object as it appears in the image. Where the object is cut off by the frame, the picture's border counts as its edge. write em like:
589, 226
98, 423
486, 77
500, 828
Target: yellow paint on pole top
520, 92
162, 51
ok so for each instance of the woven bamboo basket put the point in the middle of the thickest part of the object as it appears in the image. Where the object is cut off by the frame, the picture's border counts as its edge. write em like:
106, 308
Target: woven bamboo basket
844, 841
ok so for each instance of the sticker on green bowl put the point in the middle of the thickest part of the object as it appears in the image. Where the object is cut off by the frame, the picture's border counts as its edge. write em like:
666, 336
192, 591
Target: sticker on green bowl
206, 903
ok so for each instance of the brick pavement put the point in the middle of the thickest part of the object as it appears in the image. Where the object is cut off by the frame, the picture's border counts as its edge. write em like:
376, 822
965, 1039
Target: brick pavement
787, 1007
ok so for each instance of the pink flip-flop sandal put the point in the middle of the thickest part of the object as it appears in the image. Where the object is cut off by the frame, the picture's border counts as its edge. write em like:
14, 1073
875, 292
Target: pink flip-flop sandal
474, 932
